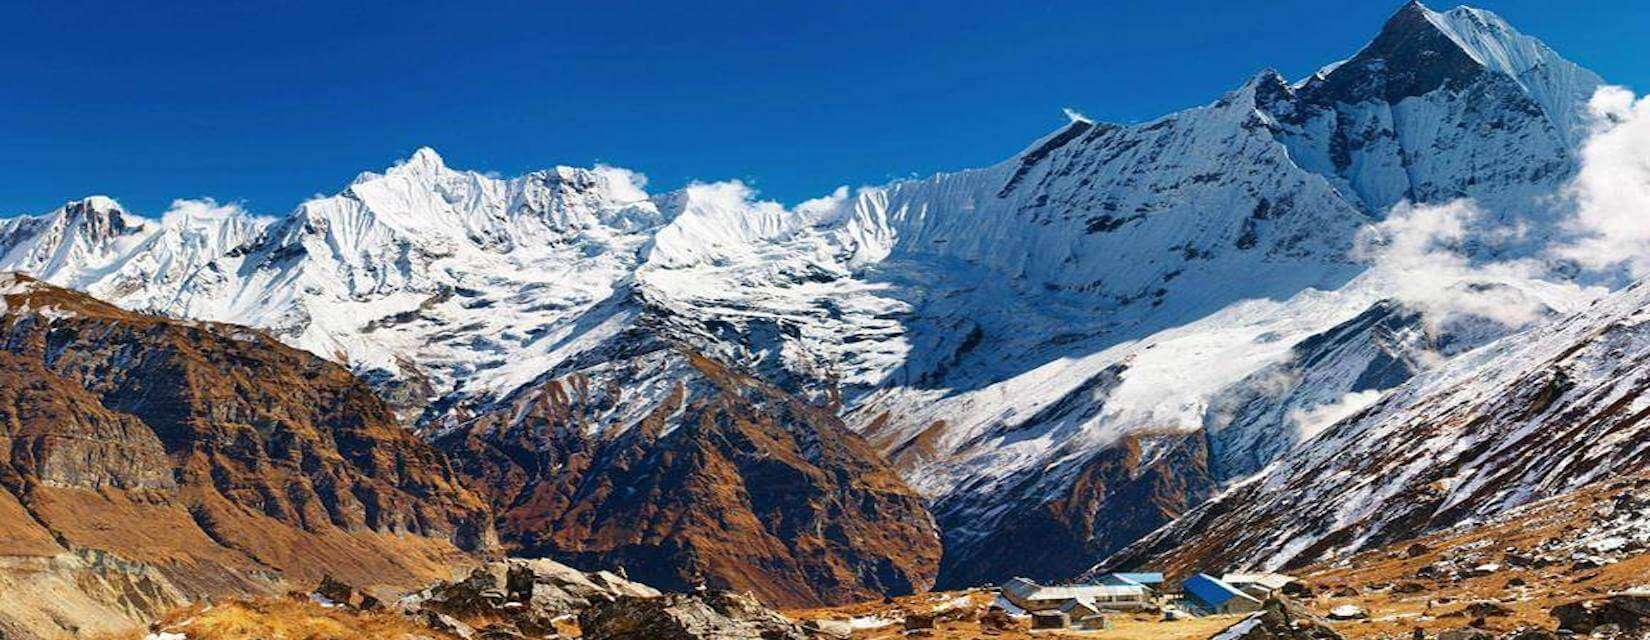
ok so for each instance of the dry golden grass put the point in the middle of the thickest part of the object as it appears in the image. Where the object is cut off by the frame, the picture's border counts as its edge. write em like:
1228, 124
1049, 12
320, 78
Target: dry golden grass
1123, 627
1442, 604
285, 619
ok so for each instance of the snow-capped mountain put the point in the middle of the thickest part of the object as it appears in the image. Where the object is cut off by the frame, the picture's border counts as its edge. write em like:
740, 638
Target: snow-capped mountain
1062, 351
1528, 417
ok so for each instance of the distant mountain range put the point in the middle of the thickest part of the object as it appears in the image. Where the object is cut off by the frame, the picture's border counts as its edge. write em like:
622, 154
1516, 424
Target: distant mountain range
1053, 356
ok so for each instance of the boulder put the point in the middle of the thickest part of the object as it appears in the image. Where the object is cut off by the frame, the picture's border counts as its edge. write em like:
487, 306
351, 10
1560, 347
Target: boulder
1297, 589
1280, 619
996, 620
1348, 612
1468, 633
1531, 634
828, 629
1630, 611
524, 597
448, 625
915, 620
1487, 609
345, 595
500, 632
714, 615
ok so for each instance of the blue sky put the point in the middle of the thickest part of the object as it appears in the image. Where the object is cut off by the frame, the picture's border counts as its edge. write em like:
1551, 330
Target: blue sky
270, 103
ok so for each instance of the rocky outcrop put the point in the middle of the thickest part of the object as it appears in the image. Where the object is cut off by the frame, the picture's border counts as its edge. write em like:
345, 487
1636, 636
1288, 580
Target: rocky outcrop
730, 482
145, 461
1622, 613
524, 597
718, 615
1281, 619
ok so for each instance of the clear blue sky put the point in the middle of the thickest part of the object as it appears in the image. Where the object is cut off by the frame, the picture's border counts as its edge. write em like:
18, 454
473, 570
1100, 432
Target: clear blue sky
271, 102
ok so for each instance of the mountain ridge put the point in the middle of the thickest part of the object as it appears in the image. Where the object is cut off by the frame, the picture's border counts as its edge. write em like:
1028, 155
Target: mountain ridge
1026, 340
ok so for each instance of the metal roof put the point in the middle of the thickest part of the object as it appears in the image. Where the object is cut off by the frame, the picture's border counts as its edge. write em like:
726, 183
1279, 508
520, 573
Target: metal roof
1212, 592
1132, 578
1026, 590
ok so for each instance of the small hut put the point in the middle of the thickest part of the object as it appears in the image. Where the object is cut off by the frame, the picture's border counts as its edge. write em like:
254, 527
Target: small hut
1209, 595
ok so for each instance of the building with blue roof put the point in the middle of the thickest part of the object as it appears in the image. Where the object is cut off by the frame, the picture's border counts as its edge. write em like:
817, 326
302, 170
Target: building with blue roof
1211, 595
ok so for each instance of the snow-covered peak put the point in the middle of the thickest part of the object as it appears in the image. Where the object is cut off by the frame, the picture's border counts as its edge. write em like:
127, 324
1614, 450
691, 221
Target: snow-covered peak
1491, 41
1419, 50
100, 214
72, 244
97, 203
424, 159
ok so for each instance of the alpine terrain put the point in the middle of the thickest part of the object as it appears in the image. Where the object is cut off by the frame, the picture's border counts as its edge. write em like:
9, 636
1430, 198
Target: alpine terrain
1020, 369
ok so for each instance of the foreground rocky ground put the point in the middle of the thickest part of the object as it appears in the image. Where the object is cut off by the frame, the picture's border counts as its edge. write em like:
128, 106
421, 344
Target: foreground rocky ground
1568, 567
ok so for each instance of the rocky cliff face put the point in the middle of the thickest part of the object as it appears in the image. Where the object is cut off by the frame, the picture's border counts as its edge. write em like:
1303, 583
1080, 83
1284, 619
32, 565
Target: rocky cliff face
148, 461
728, 481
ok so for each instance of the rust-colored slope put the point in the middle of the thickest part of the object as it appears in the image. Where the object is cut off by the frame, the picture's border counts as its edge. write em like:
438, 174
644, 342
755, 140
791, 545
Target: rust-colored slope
206, 458
1115, 496
729, 481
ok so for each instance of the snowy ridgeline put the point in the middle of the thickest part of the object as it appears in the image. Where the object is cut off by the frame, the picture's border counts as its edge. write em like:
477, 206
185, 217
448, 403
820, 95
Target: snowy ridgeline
1200, 271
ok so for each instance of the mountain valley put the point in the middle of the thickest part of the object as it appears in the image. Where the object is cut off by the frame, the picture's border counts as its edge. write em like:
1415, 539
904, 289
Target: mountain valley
1307, 322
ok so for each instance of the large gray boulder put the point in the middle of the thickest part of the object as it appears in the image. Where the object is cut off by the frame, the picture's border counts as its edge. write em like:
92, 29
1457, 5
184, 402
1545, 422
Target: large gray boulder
526, 596
716, 615
1628, 612
1280, 619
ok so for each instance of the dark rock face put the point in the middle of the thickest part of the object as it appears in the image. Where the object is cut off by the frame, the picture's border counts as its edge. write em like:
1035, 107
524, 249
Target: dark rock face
730, 483
710, 616
1410, 57
213, 454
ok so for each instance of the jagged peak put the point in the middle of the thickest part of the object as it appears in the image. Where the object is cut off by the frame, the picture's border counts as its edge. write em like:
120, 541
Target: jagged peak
1419, 50
95, 204
1415, 33
99, 216
1267, 76
425, 159
1416, 51
1265, 85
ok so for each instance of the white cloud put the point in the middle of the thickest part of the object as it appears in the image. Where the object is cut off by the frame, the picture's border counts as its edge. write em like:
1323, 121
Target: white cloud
190, 211
1417, 251
1310, 422
1611, 192
1606, 232
626, 185
825, 208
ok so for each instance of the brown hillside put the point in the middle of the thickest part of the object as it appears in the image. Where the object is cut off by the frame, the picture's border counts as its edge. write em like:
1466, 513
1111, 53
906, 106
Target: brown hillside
147, 461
